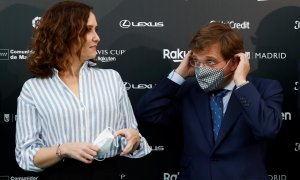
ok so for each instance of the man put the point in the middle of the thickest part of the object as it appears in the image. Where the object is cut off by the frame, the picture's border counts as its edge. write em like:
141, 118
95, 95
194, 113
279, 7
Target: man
220, 143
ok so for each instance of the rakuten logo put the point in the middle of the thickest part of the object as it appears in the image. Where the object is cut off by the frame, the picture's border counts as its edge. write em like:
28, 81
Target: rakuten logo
176, 55
128, 24
169, 176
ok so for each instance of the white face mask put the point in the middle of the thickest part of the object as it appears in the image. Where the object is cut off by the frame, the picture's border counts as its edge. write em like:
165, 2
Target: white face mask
209, 79
104, 141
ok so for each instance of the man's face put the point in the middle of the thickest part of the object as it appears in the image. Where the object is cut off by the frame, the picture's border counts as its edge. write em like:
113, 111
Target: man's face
211, 57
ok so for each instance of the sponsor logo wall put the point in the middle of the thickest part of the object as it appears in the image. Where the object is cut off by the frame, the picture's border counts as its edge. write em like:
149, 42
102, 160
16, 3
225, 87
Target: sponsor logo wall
145, 40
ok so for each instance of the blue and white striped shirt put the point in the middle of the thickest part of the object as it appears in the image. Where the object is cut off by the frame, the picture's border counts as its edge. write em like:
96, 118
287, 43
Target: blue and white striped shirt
50, 114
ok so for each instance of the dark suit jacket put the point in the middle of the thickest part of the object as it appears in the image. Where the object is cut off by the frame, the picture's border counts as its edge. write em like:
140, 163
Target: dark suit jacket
252, 119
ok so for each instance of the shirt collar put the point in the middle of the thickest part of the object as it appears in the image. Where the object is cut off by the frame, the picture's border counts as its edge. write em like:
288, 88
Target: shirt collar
230, 86
85, 65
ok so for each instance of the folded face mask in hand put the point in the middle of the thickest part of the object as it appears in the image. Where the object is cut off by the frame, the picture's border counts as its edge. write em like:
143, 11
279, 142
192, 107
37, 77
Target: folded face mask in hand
104, 141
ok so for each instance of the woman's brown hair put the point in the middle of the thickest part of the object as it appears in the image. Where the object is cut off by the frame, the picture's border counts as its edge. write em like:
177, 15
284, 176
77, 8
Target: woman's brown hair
231, 42
61, 29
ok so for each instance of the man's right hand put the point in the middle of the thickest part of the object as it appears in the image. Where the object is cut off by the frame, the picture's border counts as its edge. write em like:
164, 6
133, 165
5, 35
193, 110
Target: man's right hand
185, 69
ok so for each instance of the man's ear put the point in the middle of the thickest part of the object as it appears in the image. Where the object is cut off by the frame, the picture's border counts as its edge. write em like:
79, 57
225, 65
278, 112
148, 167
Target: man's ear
235, 62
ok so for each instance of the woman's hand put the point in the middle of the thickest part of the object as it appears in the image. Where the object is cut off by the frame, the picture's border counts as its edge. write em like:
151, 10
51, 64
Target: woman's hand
132, 137
84, 152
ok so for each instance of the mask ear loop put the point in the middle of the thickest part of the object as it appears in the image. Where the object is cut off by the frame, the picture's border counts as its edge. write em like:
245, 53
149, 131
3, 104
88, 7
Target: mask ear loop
225, 67
227, 64
99, 159
115, 143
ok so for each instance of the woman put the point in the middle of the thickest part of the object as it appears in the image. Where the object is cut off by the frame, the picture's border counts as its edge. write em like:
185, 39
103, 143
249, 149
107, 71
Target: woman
69, 103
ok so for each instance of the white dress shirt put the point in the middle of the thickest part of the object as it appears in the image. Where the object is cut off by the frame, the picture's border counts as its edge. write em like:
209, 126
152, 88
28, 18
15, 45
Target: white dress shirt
50, 114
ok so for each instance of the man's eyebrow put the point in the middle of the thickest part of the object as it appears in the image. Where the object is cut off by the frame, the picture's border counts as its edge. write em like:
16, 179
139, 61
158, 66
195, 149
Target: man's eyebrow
205, 58
210, 57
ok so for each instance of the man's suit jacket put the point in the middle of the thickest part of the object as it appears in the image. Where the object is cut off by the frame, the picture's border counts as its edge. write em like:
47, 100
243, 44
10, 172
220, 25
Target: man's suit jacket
252, 119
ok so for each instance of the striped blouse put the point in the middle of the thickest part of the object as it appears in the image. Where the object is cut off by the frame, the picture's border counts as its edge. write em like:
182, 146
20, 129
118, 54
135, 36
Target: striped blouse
50, 114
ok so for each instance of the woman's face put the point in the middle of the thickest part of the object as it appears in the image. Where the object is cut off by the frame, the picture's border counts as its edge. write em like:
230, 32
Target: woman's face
89, 49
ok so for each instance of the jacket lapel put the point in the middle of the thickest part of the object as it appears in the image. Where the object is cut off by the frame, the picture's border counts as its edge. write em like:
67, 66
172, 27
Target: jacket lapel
231, 115
200, 102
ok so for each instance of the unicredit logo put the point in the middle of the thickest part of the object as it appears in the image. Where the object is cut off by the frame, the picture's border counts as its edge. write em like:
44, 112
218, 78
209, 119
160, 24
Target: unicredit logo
127, 24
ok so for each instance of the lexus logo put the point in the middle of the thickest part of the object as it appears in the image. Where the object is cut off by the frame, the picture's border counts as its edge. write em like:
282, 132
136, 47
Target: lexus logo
127, 85
125, 24
142, 86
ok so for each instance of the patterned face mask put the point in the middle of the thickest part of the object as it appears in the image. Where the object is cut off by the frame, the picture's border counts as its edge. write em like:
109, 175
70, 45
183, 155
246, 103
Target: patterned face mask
209, 79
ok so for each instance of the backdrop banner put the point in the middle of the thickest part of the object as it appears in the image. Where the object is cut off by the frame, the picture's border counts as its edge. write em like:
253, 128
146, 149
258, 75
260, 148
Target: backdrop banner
144, 41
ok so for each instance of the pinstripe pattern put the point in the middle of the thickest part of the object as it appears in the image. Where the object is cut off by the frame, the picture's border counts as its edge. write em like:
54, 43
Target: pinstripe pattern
50, 114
